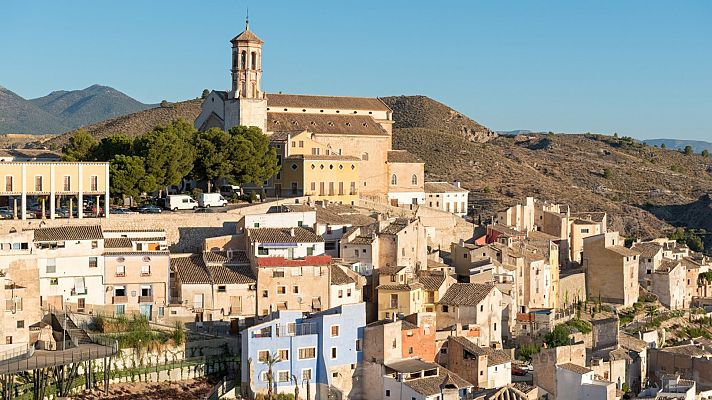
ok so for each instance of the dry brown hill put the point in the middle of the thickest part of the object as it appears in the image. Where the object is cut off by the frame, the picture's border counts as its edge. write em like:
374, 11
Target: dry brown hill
426, 113
645, 190
137, 123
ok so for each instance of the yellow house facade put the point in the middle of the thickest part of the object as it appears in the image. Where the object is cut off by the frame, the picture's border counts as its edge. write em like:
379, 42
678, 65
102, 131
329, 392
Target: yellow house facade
54, 184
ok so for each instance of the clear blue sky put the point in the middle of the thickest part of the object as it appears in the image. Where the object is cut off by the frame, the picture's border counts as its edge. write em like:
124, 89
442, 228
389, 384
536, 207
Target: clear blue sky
639, 68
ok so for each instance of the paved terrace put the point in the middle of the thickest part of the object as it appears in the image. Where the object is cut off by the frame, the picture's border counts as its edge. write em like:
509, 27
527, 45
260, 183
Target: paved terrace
46, 358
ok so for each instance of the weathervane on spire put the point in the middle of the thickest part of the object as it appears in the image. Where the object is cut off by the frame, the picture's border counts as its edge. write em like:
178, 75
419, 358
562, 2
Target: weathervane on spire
247, 19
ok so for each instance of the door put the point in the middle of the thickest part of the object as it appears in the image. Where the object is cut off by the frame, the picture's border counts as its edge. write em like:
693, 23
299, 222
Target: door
146, 310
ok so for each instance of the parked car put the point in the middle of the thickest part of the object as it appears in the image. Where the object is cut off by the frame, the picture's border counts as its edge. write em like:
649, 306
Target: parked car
204, 211
6, 213
149, 209
518, 371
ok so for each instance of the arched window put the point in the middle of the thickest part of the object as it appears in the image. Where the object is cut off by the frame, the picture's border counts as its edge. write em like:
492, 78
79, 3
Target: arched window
414, 180
394, 180
364, 156
253, 60
243, 59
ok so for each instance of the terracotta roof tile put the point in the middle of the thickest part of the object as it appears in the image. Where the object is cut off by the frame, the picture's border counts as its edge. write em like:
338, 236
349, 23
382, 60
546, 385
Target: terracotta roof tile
401, 287
345, 103
648, 249
325, 124
284, 262
431, 280
124, 242
323, 157
441, 187
190, 270
494, 356
284, 235
432, 385
339, 276
247, 36
466, 294
574, 368
402, 156
83, 232
236, 257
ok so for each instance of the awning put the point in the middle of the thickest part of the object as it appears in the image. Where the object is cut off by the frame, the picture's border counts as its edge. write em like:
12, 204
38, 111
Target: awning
79, 286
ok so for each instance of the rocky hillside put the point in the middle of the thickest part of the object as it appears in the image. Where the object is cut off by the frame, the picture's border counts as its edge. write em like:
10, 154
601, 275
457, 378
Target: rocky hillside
644, 189
425, 113
137, 123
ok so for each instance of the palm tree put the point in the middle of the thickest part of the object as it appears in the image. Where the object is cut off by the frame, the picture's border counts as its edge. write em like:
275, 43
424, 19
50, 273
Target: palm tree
271, 359
296, 387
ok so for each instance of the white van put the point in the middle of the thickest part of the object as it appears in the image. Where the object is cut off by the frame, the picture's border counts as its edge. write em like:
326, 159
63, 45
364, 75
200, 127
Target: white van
211, 200
177, 202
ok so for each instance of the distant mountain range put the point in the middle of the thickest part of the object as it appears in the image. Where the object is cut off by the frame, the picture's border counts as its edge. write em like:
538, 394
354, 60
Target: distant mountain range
697, 145
63, 110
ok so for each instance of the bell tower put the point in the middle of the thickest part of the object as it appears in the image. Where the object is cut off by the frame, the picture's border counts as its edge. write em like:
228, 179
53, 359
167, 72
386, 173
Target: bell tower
247, 65
246, 103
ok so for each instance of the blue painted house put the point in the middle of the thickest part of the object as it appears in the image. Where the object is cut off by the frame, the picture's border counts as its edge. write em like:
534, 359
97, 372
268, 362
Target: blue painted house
321, 350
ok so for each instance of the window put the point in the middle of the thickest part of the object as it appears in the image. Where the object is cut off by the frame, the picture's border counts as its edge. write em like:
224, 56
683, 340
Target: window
316, 151
364, 156
94, 244
92, 262
120, 270
334, 330
20, 324
262, 355
8, 183
38, 183
281, 290
313, 186
54, 281
93, 183
348, 292
265, 293
67, 183
584, 230
352, 189
253, 60
482, 307
445, 309
414, 180
394, 180
307, 353
295, 289
278, 273
283, 376
119, 291
243, 59
283, 355
120, 309
388, 393
329, 246
51, 265
333, 353
301, 143
261, 251
307, 374
341, 293
222, 288
358, 345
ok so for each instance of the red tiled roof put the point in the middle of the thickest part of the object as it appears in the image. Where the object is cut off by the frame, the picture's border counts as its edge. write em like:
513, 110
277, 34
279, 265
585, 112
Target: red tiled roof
284, 262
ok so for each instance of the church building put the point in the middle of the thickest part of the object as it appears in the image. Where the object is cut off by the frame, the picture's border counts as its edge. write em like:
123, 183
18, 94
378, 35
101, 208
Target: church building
332, 148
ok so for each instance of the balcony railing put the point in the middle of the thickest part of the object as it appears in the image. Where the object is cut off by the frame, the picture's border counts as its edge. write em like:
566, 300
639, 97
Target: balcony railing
120, 299
145, 299
120, 274
145, 274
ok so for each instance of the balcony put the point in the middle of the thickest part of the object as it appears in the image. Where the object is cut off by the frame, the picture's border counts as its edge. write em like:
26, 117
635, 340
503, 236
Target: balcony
145, 274
120, 299
145, 299
120, 274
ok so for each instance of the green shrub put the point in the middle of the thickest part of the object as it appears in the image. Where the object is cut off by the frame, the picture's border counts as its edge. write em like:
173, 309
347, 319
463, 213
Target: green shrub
527, 350
580, 325
559, 336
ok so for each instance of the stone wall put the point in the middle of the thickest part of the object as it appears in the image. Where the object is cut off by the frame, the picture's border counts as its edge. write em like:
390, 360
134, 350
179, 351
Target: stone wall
185, 232
572, 287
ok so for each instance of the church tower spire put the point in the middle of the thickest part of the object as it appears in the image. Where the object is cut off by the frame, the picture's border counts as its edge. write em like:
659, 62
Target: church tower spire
247, 64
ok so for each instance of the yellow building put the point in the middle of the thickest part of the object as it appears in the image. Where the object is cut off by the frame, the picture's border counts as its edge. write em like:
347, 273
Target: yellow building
53, 186
309, 168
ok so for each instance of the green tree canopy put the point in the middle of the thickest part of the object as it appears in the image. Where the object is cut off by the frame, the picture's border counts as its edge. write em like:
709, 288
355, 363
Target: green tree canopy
254, 160
559, 336
128, 176
705, 153
167, 152
80, 147
113, 145
688, 150
213, 155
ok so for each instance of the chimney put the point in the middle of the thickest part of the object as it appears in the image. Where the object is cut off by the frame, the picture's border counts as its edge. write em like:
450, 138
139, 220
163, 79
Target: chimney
462, 242
291, 232
457, 183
